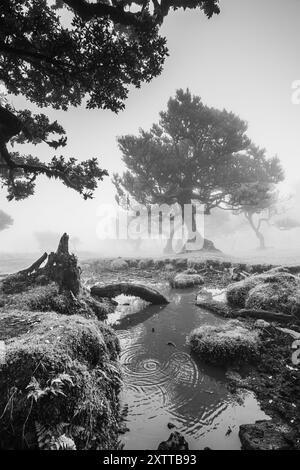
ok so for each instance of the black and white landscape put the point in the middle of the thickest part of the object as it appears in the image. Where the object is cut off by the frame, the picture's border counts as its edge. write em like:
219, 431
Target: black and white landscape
149, 226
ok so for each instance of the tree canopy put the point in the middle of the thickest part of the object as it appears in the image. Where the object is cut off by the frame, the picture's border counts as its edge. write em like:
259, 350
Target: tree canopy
195, 152
69, 52
5, 220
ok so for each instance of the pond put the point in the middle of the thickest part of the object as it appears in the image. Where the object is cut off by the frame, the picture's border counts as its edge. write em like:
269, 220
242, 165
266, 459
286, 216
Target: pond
164, 383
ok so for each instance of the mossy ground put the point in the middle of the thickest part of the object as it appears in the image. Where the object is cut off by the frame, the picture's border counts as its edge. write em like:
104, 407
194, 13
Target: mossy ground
46, 348
60, 378
48, 298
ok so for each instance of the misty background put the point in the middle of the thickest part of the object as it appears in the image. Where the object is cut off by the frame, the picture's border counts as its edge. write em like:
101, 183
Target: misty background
244, 60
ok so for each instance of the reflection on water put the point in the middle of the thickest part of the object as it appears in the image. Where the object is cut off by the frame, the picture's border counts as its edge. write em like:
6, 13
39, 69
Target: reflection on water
164, 383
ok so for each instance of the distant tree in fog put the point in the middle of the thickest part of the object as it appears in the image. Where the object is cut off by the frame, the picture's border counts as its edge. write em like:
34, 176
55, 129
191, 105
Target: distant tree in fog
259, 203
64, 53
5, 220
194, 154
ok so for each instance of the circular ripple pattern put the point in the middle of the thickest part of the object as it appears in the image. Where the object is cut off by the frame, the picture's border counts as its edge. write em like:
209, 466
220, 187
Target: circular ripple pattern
153, 385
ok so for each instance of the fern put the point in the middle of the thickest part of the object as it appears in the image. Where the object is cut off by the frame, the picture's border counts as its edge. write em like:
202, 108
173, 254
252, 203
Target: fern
53, 438
65, 443
55, 387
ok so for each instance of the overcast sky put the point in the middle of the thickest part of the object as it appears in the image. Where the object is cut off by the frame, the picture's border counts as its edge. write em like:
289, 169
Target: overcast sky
244, 60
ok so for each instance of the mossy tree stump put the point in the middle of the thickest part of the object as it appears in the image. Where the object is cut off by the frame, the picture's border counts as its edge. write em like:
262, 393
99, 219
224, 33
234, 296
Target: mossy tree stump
61, 267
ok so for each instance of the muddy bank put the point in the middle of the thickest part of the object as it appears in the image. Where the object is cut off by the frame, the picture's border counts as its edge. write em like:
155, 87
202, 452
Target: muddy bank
275, 380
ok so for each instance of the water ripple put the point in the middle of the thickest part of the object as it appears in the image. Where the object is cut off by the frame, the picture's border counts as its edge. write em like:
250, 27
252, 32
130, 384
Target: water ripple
158, 384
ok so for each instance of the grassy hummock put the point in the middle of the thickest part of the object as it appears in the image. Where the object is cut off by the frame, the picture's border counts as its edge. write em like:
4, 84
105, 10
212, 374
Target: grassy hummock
59, 382
48, 298
273, 291
229, 343
185, 280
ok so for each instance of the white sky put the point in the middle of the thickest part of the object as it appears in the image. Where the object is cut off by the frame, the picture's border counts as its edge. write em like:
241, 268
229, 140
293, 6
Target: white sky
244, 60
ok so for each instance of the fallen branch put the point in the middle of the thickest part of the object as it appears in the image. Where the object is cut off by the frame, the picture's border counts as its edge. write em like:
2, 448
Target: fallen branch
146, 293
265, 315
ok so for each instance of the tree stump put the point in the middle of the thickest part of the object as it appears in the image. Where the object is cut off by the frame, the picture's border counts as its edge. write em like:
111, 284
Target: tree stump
61, 267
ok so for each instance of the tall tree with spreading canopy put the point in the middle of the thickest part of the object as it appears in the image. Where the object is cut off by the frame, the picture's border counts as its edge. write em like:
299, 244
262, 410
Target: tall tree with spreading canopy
194, 154
67, 52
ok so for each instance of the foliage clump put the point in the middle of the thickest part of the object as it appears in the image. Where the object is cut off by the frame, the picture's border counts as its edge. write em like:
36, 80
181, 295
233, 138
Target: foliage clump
59, 384
225, 344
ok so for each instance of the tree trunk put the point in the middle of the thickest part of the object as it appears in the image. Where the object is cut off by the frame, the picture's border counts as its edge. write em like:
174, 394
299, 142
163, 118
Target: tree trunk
261, 239
257, 232
168, 248
194, 236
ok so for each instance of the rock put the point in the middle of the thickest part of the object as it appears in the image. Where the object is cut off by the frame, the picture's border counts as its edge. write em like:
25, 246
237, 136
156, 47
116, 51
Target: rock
261, 324
183, 280
170, 343
208, 245
204, 295
226, 344
266, 435
119, 265
171, 425
176, 441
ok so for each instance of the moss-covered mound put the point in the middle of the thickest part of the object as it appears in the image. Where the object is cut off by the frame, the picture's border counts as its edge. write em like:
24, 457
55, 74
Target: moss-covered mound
229, 343
59, 382
185, 280
49, 298
273, 291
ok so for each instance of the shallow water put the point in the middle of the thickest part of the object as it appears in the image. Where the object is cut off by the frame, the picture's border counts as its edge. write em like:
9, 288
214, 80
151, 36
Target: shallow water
164, 383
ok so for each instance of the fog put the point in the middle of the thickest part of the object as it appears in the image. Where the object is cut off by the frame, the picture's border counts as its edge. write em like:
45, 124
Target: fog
262, 38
